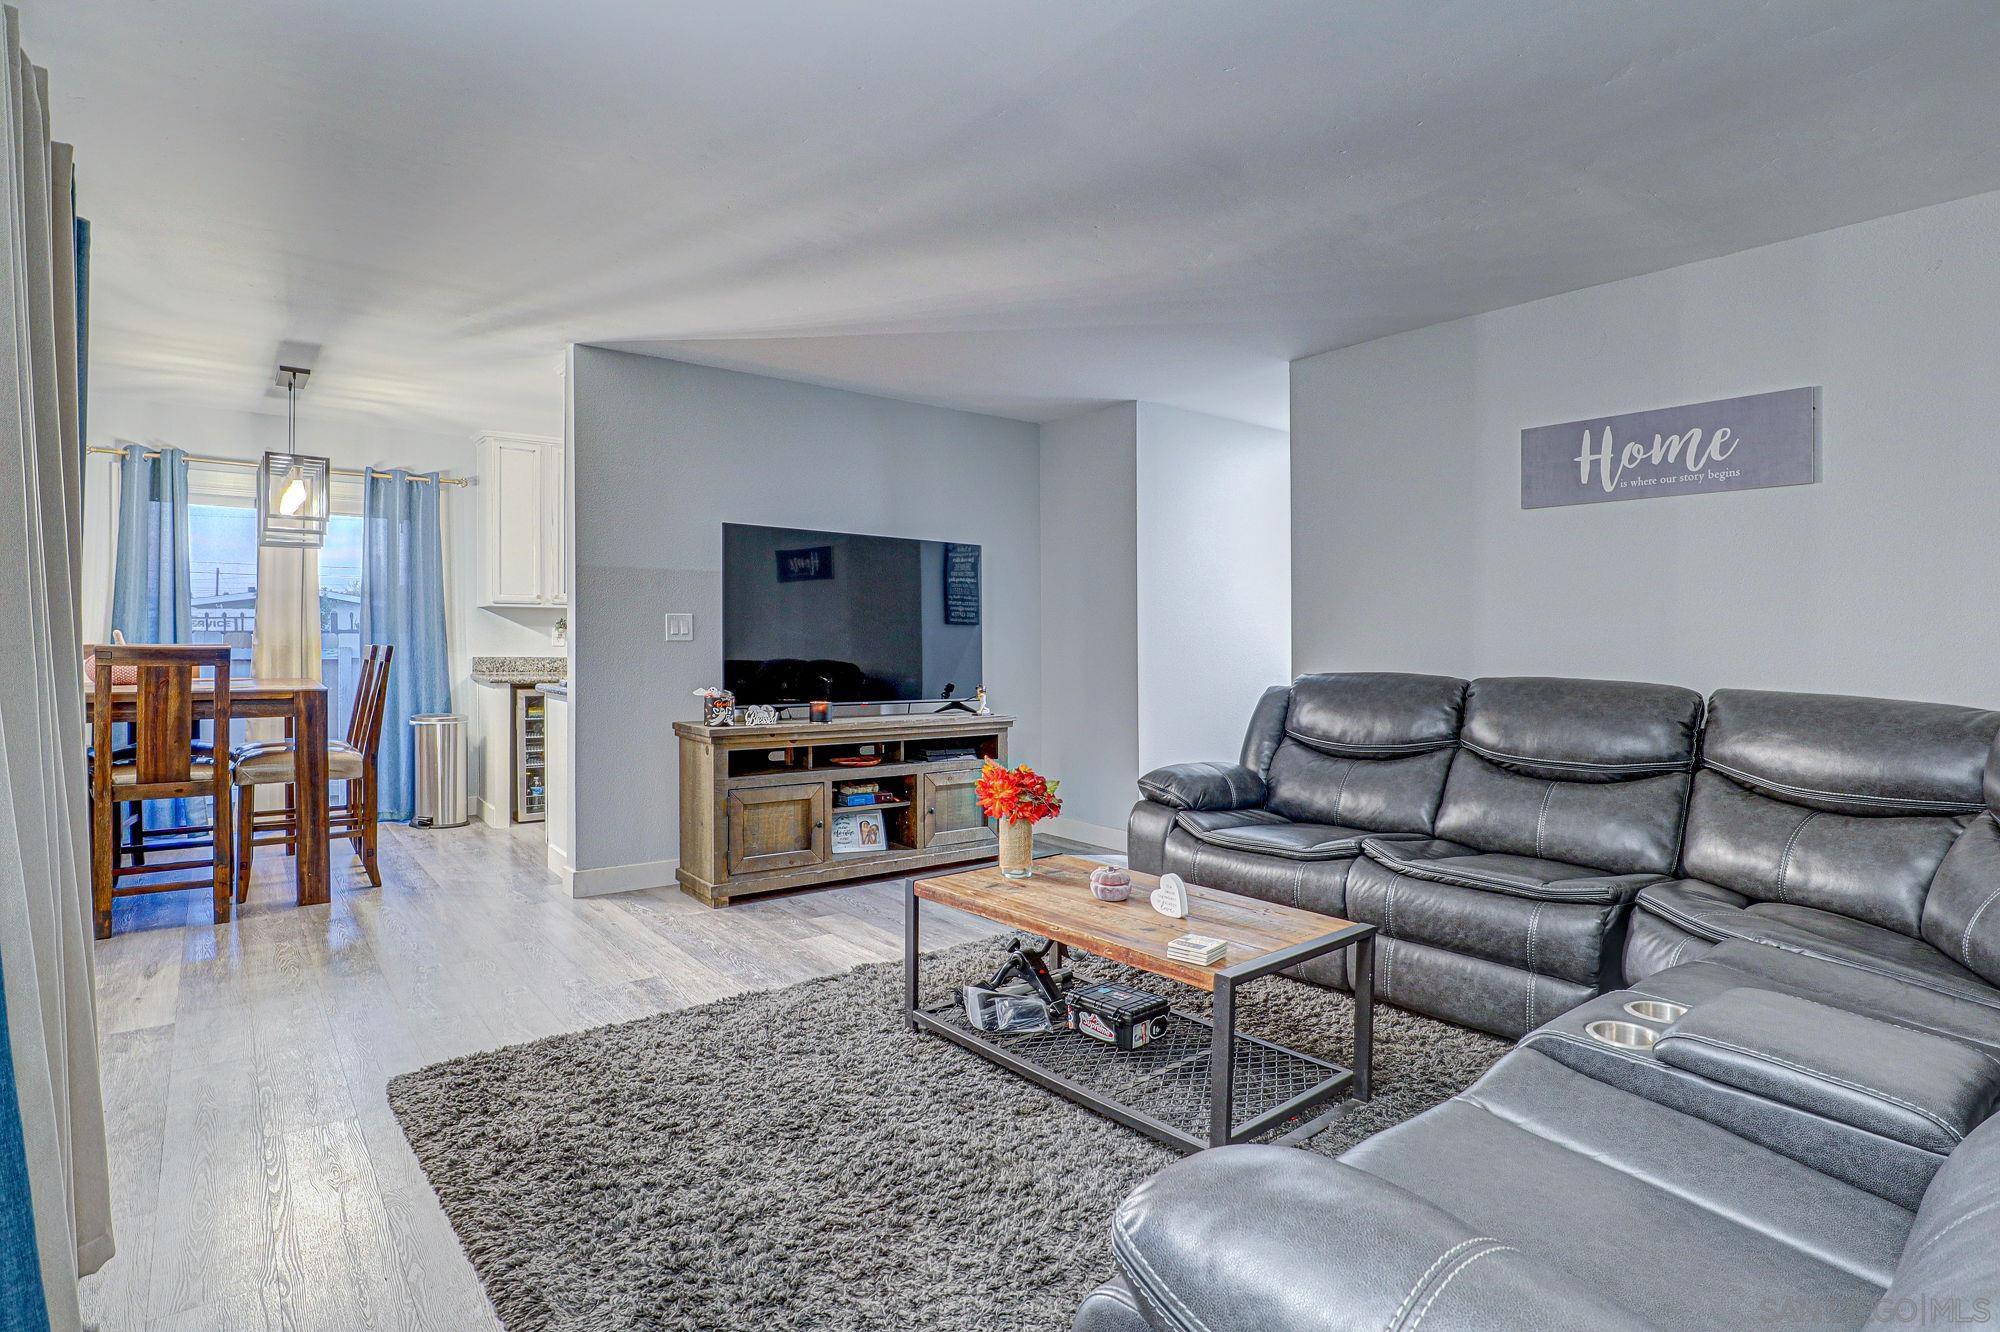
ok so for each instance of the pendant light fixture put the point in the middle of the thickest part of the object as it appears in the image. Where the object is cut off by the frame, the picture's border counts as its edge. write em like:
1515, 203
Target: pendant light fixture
292, 487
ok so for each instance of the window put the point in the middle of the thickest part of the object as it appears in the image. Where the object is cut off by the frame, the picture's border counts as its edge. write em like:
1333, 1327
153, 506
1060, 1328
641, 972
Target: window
222, 562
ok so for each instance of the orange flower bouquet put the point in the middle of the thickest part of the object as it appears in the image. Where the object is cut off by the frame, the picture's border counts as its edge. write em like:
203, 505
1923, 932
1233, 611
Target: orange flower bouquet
1019, 798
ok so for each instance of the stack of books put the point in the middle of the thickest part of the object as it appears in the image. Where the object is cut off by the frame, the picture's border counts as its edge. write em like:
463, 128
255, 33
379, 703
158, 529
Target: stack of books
1200, 949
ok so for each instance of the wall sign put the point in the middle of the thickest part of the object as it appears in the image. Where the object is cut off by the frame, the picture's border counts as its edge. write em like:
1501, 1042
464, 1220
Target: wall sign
1766, 439
961, 584
809, 564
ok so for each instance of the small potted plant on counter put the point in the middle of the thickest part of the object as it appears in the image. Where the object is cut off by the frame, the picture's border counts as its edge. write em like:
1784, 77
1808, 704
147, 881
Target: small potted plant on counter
1018, 798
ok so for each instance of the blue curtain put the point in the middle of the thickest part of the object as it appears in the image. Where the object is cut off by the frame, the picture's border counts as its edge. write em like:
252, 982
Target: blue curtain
402, 604
22, 1303
152, 589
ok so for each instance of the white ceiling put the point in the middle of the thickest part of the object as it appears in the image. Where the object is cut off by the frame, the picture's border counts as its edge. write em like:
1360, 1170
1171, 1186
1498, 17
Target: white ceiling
1019, 206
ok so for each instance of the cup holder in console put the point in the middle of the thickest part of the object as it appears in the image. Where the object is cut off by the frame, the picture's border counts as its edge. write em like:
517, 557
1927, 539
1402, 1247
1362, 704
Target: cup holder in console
1656, 1010
1624, 1035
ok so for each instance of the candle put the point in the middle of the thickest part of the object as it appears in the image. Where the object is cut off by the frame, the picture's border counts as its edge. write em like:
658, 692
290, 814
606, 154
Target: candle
821, 710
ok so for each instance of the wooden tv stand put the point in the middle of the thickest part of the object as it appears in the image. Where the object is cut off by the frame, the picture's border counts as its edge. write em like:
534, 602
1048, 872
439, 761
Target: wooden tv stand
758, 802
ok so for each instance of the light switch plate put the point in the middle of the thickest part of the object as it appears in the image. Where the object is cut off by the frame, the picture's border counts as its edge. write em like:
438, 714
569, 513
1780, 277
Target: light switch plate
680, 627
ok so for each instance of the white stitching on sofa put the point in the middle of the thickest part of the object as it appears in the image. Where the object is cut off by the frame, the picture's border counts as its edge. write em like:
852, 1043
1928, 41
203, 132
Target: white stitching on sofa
1341, 794
1424, 1280
1785, 861
1542, 822
1468, 1261
1823, 1075
1153, 1281
1965, 939
1388, 937
1954, 1224
1534, 920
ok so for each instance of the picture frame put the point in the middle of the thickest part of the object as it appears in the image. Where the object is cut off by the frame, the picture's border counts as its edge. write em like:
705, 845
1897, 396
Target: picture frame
858, 832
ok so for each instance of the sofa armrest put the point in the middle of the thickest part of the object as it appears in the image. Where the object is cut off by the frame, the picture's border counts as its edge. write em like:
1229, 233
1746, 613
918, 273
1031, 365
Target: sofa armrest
1249, 1239
1910, 1086
1203, 786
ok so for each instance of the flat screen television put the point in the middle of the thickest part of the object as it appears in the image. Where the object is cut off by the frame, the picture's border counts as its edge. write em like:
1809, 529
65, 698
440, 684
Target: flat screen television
847, 618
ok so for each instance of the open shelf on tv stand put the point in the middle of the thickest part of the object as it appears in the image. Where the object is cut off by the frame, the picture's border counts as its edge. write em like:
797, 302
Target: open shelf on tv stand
757, 803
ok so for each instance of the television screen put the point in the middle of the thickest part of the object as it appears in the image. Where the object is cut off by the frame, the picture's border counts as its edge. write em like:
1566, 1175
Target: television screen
853, 619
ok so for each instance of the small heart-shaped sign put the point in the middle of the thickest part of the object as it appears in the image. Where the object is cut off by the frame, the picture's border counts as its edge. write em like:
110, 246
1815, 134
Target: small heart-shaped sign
1171, 898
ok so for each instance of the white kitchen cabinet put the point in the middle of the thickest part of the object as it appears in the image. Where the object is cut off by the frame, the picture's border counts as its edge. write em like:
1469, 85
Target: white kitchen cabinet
523, 532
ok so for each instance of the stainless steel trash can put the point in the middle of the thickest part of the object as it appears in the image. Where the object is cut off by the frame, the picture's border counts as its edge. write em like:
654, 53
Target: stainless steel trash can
440, 738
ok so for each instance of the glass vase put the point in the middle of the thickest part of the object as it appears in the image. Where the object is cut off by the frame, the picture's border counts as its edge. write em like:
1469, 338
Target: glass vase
1017, 848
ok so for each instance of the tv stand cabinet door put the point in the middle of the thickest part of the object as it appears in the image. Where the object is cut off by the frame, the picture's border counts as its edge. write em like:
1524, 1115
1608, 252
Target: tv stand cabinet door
776, 827
950, 809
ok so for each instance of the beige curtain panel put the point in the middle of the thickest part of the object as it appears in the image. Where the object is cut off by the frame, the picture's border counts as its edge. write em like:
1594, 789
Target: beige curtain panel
45, 955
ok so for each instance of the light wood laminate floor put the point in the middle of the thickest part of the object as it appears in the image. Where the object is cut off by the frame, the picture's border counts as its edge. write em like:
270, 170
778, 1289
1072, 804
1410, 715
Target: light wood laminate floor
259, 1179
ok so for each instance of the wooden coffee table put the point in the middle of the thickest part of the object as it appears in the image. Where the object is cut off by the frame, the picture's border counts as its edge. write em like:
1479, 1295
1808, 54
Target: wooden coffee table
1186, 1087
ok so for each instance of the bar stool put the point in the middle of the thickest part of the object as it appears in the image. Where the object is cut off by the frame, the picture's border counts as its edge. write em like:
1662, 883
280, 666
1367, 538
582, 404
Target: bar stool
352, 761
163, 762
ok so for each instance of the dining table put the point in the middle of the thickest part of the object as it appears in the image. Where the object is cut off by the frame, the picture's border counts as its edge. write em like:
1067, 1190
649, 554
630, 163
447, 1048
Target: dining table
300, 701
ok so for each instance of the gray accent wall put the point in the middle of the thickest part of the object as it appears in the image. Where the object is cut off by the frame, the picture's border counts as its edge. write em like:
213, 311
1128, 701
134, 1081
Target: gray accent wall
663, 453
1411, 551
1090, 620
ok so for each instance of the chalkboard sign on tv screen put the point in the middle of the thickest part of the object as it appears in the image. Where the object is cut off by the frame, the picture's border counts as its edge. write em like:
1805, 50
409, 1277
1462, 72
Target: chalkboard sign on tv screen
848, 617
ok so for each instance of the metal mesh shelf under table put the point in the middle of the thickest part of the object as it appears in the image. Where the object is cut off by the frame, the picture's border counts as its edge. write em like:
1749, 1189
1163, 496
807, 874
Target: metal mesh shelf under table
1162, 1088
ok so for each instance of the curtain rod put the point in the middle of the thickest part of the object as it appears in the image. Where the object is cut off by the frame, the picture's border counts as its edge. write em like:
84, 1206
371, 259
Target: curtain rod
245, 462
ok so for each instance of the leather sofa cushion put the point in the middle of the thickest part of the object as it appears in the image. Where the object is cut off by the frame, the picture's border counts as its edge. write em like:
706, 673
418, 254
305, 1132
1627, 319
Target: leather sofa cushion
1474, 992
1844, 754
1873, 867
1910, 1086
1626, 827
1268, 1239
1581, 730
1672, 1217
1952, 1258
1962, 911
1398, 794
1589, 771
1542, 935
1713, 912
1204, 786
1375, 714
1267, 834
1441, 861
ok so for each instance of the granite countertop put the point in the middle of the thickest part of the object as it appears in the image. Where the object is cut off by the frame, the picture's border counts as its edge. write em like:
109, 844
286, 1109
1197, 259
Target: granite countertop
519, 670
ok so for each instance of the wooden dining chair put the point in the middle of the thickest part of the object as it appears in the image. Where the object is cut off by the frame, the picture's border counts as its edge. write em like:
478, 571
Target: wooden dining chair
163, 762
350, 761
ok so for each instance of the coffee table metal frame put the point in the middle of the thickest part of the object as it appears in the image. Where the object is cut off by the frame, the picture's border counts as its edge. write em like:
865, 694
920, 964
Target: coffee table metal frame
1355, 1083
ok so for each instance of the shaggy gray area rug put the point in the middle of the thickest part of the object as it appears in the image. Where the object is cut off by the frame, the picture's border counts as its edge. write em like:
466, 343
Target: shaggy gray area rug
796, 1159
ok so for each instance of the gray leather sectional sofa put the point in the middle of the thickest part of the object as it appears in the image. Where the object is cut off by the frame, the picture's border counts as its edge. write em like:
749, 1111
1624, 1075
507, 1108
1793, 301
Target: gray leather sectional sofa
1799, 1128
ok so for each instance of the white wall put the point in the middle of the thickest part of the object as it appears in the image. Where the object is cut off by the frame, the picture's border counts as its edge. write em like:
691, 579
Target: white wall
1412, 551
1089, 594
663, 453
1214, 580
349, 442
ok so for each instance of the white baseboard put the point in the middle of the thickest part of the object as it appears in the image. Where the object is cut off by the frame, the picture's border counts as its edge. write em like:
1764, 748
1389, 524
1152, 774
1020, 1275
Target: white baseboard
620, 878
1091, 834
492, 815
